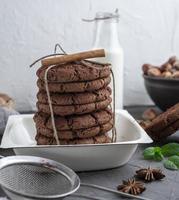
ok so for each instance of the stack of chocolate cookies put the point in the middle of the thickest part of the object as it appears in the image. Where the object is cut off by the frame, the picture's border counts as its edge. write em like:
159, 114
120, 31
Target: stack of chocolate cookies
80, 98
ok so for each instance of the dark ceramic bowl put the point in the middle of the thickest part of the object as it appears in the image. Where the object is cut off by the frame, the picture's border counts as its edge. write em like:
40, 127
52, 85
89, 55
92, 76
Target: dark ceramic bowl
163, 91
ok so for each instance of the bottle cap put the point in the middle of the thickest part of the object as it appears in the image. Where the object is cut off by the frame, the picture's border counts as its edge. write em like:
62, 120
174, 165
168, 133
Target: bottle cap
103, 16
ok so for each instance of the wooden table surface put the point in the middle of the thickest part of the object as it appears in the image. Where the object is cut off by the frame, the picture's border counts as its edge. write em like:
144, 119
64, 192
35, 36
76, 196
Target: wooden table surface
167, 189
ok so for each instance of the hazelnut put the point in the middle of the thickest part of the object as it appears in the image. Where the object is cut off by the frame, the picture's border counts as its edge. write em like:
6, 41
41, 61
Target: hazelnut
149, 114
175, 74
172, 59
167, 74
146, 67
154, 71
176, 64
173, 70
2, 101
166, 67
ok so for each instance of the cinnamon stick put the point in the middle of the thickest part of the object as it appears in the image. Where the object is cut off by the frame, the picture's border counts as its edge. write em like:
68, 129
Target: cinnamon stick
73, 57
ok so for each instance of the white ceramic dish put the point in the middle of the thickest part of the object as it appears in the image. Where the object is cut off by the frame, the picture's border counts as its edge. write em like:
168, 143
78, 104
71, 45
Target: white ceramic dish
20, 135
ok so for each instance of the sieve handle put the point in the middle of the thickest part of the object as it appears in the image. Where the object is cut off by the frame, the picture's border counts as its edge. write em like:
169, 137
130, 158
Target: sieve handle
86, 197
113, 191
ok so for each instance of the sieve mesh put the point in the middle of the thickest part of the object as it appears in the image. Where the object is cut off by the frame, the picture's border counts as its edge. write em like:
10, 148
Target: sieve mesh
34, 180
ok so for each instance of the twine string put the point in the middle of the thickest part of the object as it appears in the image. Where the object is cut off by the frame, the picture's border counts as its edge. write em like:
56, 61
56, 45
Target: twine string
51, 55
48, 95
60, 47
50, 105
114, 135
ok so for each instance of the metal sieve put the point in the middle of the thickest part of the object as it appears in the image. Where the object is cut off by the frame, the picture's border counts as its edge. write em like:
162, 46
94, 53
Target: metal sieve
29, 177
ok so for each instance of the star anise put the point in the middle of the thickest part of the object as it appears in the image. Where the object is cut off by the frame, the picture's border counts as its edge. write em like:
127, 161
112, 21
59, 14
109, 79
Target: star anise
131, 186
149, 174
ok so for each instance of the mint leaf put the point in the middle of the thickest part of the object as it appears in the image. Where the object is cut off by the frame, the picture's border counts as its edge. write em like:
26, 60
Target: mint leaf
170, 165
158, 156
153, 153
175, 160
170, 149
149, 153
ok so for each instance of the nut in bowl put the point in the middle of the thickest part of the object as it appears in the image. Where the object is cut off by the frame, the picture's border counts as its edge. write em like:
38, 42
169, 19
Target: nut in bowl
169, 69
162, 83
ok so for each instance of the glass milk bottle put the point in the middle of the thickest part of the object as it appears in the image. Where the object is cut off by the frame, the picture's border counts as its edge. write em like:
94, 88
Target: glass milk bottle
106, 37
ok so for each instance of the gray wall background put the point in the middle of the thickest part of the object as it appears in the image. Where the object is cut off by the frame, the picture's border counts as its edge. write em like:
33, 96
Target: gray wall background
148, 31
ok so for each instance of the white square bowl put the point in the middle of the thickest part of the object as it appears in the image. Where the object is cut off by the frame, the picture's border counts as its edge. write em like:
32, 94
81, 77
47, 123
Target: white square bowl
20, 135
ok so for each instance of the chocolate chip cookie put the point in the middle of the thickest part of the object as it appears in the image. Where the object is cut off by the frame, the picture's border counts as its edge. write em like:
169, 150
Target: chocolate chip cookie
75, 121
162, 134
42, 140
75, 86
75, 98
76, 71
164, 124
79, 133
74, 109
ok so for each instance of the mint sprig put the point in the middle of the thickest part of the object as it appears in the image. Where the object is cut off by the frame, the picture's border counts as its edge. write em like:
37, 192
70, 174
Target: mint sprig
170, 150
153, 153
